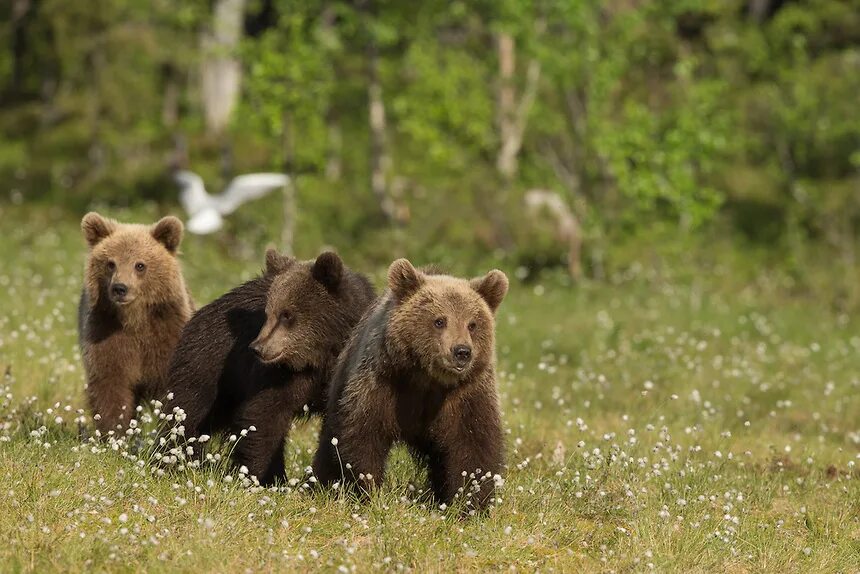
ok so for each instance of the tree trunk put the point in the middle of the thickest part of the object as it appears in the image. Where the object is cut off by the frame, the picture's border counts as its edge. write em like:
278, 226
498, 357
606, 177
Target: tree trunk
379, 159
848, 251
506, 103
289, 212
96, 151
170, 101
334, 156
758, 9
221, 74
179, 154
794, 227
288, 225
19, 41
513, 114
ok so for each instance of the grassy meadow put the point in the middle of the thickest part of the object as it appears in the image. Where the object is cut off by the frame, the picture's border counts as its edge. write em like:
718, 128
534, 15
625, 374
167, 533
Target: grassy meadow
688, 422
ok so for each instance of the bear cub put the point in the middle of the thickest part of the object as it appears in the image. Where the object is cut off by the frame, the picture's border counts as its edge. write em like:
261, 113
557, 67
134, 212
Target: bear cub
420, 369
133, 306
260, 355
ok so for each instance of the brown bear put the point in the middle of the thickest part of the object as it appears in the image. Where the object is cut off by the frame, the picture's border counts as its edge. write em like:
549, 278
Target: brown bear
260, 355
420, 368
133, 306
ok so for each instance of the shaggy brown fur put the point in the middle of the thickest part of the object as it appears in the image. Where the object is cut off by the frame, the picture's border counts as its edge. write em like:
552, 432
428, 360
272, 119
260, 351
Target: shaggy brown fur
260, 355
420, 368
133, 307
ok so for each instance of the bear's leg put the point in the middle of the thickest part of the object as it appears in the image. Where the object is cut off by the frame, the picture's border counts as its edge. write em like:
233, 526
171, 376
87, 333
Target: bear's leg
357, 436
263, 456
429, 454
113, 369
111, 375
471, 444
357, 456
326, 467
270, 411
362, 454
262, 449
196, 396
112, 399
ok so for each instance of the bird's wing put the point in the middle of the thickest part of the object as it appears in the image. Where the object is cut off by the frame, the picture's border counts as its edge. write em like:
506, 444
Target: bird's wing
204, 222
192, 192
248, 187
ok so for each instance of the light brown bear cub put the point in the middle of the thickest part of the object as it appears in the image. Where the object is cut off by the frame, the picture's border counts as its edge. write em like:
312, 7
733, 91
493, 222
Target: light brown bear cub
420, 368
133, 307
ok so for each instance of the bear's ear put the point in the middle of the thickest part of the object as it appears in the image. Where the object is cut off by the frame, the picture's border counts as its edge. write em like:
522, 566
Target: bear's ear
168, 232
404, 279
492, 287
328, 270
96, 228
277, 263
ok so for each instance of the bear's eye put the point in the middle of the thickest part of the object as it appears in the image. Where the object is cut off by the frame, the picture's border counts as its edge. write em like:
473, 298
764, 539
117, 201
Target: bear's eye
111, 265
286, 316
473, 326
139, 267
439, 323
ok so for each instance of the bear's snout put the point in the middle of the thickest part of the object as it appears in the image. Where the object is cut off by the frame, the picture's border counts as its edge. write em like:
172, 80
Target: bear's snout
462, 355
262, 353
119, 291
268, 349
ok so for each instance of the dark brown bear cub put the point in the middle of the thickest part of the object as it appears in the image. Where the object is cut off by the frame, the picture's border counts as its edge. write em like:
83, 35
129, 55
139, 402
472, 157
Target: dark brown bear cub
133, 307
260, 355
420, 368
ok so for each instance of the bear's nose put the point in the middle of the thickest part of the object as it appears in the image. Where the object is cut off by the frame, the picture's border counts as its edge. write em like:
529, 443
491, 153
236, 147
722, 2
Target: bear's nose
119, 289
256, 347
462, 354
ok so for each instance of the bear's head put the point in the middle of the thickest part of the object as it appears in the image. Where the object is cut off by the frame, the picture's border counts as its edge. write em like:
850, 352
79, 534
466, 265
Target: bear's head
131, 264
444, 323
310, 310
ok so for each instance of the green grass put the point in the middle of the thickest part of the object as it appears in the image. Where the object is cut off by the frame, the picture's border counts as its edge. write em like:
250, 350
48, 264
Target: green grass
680, 425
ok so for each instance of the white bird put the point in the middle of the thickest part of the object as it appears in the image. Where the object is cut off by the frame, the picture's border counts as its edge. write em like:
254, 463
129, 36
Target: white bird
206, 212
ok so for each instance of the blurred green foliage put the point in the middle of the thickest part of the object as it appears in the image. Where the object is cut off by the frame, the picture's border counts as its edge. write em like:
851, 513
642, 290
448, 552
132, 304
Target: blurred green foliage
700, 117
